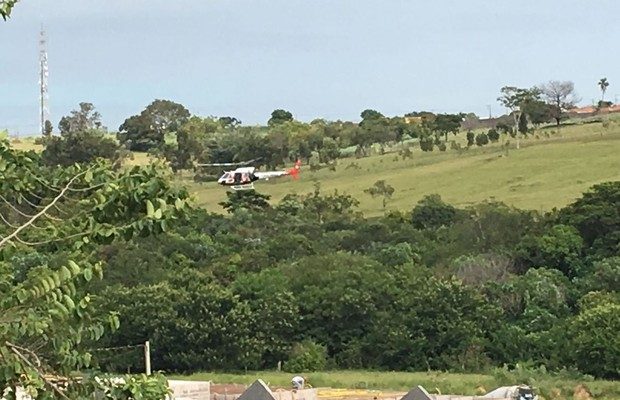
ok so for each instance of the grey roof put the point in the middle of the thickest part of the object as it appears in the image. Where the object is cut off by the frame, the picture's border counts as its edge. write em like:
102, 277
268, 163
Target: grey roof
417, 393
257, 391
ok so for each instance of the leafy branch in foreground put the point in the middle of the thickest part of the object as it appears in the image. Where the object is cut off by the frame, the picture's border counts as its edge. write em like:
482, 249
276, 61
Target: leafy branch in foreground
63, 215
6, 6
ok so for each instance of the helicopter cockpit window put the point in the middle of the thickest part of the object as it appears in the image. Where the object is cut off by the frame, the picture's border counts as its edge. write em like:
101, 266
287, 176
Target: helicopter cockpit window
227, 177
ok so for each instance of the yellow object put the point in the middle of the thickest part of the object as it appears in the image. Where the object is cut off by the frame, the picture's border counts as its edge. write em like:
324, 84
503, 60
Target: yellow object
330, 393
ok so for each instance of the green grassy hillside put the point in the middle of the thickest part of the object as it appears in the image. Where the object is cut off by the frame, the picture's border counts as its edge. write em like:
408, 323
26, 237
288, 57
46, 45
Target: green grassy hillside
550, 170
545, 172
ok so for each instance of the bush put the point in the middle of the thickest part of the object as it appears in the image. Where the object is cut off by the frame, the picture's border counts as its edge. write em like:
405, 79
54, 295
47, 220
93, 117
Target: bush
306, 356
470, 138
482, 139
427, 143
493, 135
79, 147
432, 213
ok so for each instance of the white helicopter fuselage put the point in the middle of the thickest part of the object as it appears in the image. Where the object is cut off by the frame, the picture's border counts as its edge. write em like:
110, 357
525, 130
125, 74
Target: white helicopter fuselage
244, 177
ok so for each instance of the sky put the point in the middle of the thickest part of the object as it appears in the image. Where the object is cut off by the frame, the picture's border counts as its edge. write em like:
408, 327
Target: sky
316, 58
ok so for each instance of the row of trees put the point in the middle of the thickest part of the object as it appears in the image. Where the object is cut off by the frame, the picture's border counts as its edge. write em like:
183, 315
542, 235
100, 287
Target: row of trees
167, 129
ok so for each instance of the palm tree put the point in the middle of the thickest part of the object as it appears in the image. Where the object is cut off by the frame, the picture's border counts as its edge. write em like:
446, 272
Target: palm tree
603, 84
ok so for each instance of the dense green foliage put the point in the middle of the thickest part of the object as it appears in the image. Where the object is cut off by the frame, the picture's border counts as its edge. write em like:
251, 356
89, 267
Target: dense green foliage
52, 224
308, 281
82, 139
148, 129
79, 147
6, 6
437, 288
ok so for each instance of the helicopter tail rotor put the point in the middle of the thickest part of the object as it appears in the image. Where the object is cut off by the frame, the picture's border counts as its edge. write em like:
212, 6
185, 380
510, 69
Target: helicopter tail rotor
294, 172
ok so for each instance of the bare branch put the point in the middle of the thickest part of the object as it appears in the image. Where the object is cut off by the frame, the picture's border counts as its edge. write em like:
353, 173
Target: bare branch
32, 354
16, 350
15, 208
42, 212
51, 240
29, 202
3, 218
53, 218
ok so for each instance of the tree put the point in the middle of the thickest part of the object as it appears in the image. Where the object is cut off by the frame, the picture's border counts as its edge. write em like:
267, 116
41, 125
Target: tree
560, 248
381, 188
373, 128
306, 356
47, 130
427, 143
482, 139
229, 122
514, 98
197, 140
535, 309
329, 150
432, 213
448, 123
594, 337
470, 138
561, 96
84, 119
79, 147
275, 313
46, 319
245, 199
493, 135
596, 215
522, 127
537, 112
339, 305
148, 129
369, 115
603, 83
279, 116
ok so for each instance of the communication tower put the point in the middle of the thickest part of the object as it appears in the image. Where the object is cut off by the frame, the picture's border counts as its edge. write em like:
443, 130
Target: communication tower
43, 75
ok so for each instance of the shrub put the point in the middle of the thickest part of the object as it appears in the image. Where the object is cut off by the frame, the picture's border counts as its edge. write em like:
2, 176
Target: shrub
427, 143
432, 213
306, 356
482, 139
493, 135
470, 138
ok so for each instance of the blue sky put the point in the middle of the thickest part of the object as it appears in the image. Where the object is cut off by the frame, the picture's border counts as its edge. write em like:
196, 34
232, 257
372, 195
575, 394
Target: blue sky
315, 58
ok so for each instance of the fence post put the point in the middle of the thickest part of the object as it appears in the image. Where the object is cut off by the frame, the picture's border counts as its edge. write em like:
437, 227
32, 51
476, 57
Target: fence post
147, 357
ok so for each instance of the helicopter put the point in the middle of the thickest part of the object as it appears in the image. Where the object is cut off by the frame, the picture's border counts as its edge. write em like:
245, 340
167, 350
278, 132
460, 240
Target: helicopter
243, 178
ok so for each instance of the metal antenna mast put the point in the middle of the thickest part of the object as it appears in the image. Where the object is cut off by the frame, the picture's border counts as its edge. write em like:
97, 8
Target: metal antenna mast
43, 75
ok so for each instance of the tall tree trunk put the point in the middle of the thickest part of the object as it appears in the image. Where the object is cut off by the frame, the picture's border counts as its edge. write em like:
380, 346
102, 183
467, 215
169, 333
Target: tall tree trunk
517, 116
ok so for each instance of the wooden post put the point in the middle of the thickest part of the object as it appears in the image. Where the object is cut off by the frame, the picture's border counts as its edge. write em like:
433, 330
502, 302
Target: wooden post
147, 357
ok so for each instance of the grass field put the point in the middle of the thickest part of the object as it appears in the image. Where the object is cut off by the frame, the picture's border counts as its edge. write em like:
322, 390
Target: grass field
543, 174
551, 387
550, 170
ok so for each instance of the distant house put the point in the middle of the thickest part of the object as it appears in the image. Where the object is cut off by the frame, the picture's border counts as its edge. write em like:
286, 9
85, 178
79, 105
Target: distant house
583, 110
593, 110
413, 120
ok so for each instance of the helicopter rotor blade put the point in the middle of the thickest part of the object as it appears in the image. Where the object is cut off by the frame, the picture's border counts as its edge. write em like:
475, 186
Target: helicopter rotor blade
231, 164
